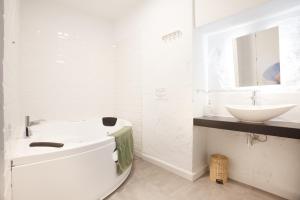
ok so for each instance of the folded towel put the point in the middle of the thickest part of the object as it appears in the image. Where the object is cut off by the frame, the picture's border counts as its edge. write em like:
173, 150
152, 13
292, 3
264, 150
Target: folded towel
124, 145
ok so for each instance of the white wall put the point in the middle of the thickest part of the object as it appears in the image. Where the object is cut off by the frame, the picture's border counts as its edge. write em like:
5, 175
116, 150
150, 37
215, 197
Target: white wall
2, 177
212, 10
10, 83
168, 66
166, 69
67, 63
128, 76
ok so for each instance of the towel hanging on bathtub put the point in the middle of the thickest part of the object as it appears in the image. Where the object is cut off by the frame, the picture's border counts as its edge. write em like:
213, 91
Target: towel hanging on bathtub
124, 146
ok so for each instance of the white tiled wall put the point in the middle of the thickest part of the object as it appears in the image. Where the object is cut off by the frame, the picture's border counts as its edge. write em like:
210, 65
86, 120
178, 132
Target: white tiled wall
67, 62
128, 91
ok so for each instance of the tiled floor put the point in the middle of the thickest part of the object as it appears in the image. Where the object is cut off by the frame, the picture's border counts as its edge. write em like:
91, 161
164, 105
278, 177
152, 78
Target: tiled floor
149, 182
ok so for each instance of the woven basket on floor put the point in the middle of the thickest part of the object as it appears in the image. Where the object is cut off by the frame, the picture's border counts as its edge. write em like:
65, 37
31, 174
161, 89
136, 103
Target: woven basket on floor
219, 168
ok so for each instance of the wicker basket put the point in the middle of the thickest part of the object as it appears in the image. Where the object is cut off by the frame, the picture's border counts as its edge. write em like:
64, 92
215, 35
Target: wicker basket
219, 168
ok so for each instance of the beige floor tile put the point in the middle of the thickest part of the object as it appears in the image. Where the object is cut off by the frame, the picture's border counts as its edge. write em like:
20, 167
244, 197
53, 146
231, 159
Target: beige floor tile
149, 182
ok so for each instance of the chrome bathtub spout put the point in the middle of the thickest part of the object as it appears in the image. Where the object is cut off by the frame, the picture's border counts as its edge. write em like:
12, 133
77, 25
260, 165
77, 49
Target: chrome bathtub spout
27, 125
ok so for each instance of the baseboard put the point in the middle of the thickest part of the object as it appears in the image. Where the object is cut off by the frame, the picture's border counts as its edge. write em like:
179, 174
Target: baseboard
200, 172
192, 176
138, 154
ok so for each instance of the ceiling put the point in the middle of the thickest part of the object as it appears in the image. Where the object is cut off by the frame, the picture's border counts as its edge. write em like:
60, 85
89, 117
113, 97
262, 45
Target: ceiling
109, 9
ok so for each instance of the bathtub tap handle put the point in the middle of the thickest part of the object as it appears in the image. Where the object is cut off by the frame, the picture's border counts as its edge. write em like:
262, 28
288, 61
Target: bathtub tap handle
27, 124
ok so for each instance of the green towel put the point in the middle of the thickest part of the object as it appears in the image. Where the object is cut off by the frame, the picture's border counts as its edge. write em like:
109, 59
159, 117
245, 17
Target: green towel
124, 145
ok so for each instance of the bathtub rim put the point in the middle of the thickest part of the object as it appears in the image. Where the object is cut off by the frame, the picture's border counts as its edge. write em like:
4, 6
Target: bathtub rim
30, 155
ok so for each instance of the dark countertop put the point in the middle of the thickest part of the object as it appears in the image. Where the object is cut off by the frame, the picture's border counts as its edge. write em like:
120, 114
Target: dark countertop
273, 128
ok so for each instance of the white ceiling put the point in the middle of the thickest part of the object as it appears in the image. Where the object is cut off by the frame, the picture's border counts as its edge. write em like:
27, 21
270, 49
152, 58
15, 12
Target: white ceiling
109, 9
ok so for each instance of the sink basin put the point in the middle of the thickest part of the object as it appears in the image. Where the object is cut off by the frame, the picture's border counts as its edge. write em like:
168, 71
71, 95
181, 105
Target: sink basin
258, 114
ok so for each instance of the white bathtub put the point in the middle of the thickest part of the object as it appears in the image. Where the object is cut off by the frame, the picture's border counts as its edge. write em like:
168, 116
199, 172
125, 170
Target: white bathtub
83, 169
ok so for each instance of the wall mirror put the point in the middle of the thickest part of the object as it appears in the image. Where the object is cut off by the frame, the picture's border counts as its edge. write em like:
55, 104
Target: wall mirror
257, 58
258, 48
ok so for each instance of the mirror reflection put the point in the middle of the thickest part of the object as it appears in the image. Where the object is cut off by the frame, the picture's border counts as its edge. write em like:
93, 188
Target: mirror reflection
257, 58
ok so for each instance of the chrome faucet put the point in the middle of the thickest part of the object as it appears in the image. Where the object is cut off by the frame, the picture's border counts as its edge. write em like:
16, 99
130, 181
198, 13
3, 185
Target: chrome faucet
27, 125
253, 97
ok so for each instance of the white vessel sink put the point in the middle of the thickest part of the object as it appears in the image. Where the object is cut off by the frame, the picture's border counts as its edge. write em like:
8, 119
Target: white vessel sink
258, 114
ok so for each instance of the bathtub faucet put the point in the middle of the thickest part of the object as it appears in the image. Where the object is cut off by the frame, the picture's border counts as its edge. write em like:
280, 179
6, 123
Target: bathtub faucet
27, 125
